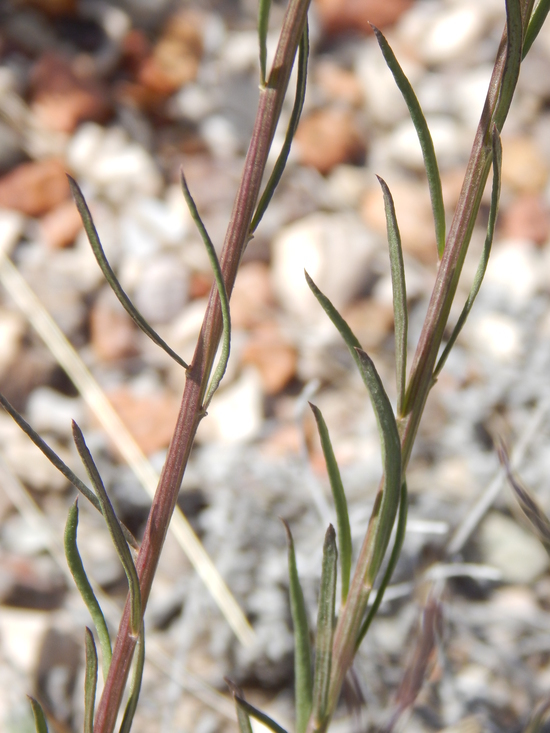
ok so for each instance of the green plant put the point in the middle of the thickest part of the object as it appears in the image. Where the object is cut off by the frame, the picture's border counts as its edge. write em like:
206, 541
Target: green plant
318, 685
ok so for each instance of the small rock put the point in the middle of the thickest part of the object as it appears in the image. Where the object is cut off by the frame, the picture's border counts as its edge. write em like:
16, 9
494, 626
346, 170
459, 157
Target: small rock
149, 417
523, 167
176, 57
371, 321
21, 633
60, 226
112, 331
338, 84
338, 16
162, 290
34, 188
272, 355
60, 100
329, 137
414, 215
52, 412
528, 218
12, 225
252, 297
403, 147
497, 336
236, 412
315, 243
29, 582
510, 548
513, 274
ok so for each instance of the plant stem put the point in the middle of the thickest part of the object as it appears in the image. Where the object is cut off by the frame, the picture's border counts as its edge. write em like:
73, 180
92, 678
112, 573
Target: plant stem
421, 377
191, 410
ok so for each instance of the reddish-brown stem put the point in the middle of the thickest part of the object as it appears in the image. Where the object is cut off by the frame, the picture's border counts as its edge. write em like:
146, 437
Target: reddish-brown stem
191, 411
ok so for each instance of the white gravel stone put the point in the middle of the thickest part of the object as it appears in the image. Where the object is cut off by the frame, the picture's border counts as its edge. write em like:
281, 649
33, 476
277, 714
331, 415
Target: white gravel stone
161, 292
450, 34
403, 147
497, 336
513, 274
334, 249
50, 411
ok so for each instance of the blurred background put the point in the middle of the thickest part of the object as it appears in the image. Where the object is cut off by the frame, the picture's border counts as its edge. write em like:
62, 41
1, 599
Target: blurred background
121, 95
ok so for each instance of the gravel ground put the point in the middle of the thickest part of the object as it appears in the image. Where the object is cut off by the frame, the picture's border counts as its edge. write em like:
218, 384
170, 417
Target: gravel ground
121, 94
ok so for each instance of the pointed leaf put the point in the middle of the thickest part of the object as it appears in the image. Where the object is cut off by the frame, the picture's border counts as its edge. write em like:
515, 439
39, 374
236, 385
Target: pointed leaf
282, 158
222, 292
262, 717
39, 718
303, 682
76, 567
394, 557
535, 25
90, 682
135, 685
512, 64
110, 276
325, 632
424, 137
340, 502
263, 25
62, 467
115, 530
482, 267
400, 313
242, 716
383, 520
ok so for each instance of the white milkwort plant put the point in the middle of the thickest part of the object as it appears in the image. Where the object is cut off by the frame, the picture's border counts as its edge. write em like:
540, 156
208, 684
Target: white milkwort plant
320, 670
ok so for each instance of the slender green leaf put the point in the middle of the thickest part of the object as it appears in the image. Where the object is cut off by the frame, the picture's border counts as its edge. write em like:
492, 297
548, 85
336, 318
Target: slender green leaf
383, 522
76, 567
114, 527
263, 25
400, 313
394, 557
340, 501
303, 681
62, 467
345, 331
426, 142
222, 292
90, 682
512, 64
482, 267
135, 685
325, 632
242, 716
110, 276
282, 158
262, 717
39, 718
535, 25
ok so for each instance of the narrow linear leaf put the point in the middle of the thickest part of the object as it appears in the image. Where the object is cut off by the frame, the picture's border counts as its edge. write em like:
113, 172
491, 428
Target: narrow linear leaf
340, 501
482, 267
114, 527
400, 313
242, 716
345, 331
275, 177
263, 24
392, 562
90, 682
135, 685
262, 717
302, 648
110, 276
424, 137
391, 461
325, 632
512, 64
535, 25
530, 507
62, 467
222, 292
39, 718
76, 567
